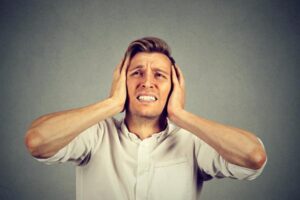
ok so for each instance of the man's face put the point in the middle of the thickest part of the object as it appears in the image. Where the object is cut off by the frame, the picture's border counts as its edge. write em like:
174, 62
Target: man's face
148, 84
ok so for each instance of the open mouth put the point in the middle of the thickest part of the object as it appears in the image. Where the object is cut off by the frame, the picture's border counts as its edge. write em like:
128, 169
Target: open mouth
144, 98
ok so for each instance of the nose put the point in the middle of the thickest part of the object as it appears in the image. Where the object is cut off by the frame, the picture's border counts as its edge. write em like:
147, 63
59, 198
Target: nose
147, 81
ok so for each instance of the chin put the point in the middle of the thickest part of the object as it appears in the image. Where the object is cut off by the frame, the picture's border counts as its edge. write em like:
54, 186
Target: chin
146, 112
148, 115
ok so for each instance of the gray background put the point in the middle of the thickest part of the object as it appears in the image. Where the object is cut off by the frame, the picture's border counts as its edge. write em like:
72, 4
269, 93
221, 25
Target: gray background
240, 60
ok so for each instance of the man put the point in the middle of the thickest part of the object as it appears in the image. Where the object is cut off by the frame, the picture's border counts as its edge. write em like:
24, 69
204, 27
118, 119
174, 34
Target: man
159, 151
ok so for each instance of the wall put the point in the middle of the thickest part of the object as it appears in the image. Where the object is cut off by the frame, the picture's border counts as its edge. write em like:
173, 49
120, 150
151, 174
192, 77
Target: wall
240, 60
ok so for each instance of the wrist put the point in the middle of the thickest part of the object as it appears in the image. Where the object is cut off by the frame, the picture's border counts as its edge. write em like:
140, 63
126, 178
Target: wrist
176, 115
117, 104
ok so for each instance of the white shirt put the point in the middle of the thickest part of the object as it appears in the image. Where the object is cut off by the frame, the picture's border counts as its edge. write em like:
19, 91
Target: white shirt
114, 164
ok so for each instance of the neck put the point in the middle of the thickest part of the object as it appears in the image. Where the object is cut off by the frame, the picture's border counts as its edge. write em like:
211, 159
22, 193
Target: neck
145, 127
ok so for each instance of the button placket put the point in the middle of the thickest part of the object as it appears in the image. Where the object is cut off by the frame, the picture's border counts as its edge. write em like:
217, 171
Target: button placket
143, 163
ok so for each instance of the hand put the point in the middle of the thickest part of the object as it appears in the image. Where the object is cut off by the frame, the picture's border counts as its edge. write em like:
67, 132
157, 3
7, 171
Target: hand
118, 92
177, 98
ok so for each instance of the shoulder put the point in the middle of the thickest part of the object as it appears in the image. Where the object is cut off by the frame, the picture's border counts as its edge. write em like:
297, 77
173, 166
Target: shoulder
177, 131
182, 135
109, 123
186, 137
108, 128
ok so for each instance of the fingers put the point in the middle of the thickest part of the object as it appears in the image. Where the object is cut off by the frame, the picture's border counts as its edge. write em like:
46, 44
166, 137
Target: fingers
124, 66
121, 67
178, 75
117, 70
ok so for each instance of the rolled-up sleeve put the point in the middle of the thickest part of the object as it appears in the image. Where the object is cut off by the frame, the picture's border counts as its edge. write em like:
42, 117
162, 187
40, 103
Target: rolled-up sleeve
211, 163
80, 149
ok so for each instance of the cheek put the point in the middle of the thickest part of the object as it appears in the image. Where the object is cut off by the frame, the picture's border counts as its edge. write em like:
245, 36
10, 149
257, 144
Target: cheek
166, 89
130, 87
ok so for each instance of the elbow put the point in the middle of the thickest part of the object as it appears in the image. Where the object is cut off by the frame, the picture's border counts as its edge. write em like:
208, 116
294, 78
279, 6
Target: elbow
258, 159
33, 142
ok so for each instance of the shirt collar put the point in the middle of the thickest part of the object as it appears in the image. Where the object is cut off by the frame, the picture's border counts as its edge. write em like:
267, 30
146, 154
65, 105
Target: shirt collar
156, 136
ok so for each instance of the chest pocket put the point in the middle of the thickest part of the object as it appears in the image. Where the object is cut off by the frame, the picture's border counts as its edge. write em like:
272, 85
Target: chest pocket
171, 180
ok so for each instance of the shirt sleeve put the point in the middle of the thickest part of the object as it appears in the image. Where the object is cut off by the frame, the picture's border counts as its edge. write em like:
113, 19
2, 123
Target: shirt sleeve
80, 149
212, 164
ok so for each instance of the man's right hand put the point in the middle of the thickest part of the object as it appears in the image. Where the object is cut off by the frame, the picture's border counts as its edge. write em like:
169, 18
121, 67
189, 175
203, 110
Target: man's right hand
51, 132
118, 92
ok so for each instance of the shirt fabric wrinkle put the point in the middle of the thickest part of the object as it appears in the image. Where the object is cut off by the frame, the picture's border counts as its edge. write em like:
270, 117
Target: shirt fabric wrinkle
119, 165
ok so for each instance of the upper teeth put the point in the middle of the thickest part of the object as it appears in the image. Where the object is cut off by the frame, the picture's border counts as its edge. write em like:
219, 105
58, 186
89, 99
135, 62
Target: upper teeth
147, 98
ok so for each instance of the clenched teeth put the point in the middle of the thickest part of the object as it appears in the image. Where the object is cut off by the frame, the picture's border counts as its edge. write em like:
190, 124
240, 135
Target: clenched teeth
147, 98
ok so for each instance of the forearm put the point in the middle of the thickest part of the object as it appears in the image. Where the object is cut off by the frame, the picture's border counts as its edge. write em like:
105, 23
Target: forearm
234, 145
51, 132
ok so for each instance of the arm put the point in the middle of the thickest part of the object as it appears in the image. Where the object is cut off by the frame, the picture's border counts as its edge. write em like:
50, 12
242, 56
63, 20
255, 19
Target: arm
235, 145
51, 132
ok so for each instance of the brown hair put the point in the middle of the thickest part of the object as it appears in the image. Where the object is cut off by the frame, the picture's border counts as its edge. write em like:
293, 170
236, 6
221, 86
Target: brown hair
149, 45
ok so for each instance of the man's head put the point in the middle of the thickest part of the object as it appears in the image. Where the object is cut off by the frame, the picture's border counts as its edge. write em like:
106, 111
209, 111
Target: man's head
148, 77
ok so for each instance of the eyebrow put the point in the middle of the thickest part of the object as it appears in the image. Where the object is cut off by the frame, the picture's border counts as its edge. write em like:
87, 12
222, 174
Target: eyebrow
137, 67
155, 69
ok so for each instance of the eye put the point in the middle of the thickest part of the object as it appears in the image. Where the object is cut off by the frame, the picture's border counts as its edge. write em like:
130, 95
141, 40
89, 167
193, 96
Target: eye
136, 73
159, 75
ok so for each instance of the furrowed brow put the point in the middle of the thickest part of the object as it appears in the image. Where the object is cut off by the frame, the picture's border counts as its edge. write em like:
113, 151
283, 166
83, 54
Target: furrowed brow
136, 67
161, 71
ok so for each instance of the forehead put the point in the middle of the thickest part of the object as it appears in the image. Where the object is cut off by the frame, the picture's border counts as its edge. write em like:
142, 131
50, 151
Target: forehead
144, 59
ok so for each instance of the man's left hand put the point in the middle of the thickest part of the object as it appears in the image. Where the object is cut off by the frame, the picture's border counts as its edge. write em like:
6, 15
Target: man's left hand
177, 97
